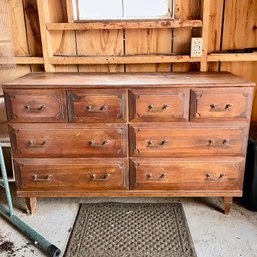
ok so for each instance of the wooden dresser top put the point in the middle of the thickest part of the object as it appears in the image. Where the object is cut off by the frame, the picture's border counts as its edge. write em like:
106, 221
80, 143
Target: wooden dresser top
107, 80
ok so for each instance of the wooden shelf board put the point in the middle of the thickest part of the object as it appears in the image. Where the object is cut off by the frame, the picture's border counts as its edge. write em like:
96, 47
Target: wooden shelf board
21, 60
138, 59
133, 24
225, 57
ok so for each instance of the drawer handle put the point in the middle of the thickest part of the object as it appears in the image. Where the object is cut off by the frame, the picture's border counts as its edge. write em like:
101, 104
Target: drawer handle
151, 144
152, 108
31, 144
224, 142
90, 108
215, 108
162, 177
37, 179
210, 178
105, 177
28, 108
103, 144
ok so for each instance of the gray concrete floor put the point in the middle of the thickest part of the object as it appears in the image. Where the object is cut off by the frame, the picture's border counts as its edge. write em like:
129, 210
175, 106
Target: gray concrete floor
214, 234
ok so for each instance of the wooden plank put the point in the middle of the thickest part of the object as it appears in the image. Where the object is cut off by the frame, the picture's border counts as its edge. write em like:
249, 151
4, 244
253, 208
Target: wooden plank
205, 33
33, 31
102, 43
64, 42
47, 44
215, 31
21, 60
69, 8
242, 57
133, 24
239, 33
126, 59
148, 42
184, 10
19, 36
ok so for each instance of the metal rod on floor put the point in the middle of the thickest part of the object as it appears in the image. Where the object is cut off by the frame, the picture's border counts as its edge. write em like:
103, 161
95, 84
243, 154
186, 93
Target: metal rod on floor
5, 182
50, 249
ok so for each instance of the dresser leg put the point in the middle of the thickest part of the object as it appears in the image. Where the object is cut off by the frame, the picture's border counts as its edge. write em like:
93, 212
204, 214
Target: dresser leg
31, 204
228, 201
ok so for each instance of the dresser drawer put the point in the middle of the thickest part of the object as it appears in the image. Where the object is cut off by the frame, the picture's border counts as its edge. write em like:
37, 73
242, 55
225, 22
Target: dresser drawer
159, 105
188, 140
221, 104
97, 105
36, 105
71, 174
51, 140
187, 174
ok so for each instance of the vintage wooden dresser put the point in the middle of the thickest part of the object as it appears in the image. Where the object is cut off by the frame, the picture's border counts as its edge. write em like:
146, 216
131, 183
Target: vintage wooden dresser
119, 135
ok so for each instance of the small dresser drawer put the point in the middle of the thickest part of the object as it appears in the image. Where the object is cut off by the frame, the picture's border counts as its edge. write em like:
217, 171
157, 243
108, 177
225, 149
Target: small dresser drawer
221, 104
36, 105
46, 140
187, 174
97, 105
71, 174
159, 105
188, 140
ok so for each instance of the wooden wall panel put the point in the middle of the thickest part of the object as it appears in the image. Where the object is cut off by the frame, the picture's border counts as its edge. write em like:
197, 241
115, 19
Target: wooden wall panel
184, 9
19, 36
33, 31
100, 42
64, 42
215, 30
238, 33
148, 41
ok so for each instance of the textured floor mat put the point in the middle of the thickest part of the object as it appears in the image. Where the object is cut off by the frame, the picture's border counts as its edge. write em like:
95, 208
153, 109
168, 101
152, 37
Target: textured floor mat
131, 230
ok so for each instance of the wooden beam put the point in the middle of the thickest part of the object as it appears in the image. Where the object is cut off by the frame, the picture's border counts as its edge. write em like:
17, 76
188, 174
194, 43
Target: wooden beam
242, 57
69, 11
47, 44
133, 24
21, 60
138, 59
205, 33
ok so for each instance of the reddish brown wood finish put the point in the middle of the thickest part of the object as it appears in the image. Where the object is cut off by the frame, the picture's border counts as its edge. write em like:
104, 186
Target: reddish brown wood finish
36, 105
183, 174
189, 139
184, 134
209, 104
97, 106
50, 140
159, 105
71, 175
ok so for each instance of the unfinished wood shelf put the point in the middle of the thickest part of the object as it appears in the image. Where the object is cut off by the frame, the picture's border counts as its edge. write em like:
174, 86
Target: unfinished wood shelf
121, 24
135, 59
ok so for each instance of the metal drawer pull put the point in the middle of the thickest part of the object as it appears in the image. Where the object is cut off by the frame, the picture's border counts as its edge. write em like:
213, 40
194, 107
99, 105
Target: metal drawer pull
31, 144
105, 177
215, 108
209, 177
37, 179
90, 108
28, 108
152, 108
150, 143
162, 177
225, 142
103, 144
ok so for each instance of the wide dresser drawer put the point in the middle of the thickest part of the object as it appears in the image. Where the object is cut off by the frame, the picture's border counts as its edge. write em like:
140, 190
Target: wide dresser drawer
71, 174
36, 105
188, 140
187, 174
68, 140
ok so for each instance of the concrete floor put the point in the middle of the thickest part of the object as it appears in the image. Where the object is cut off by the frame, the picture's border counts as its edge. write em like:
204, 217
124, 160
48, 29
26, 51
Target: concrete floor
214, 234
